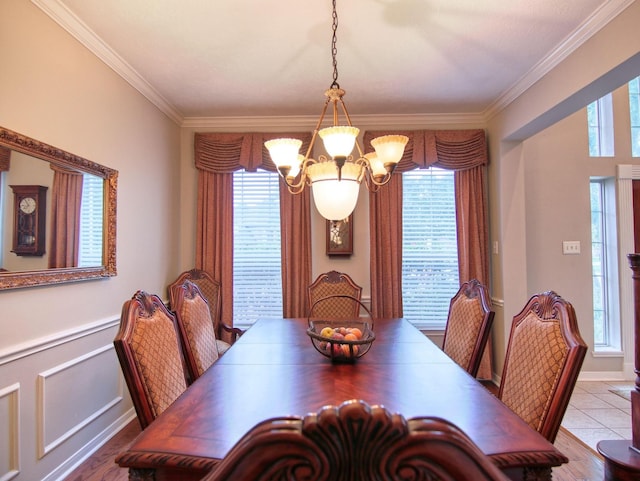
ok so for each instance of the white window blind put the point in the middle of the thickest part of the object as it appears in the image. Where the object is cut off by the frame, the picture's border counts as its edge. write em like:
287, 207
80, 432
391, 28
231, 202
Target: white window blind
257, 278
429, 246
91, 222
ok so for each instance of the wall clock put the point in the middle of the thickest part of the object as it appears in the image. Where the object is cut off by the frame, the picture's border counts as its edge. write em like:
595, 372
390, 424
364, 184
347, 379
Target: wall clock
29, 221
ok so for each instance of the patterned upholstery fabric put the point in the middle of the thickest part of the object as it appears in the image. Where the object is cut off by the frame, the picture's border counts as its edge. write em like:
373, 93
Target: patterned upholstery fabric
210, 289
155, 348
463, 328
198, 327
331, 284
544, 357
538, 353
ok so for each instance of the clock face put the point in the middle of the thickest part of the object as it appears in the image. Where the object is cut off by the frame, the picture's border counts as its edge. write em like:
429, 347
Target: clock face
28, 205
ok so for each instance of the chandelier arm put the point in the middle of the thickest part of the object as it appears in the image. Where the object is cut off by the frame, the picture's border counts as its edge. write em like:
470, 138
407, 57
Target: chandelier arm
346, 116
315, 131
371, 186
370, 178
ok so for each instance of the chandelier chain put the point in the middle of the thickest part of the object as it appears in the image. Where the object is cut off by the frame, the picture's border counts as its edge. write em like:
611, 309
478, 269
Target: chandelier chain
334, 47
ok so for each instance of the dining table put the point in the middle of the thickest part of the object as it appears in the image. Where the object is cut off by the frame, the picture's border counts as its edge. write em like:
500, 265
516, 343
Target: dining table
273, 370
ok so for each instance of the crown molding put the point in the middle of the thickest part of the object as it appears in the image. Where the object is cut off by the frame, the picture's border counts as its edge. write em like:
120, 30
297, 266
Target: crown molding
601, 17
308, 122
60, 14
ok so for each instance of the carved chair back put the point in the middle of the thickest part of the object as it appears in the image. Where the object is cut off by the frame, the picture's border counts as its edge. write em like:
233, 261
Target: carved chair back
195, 327
355, 442
468, 325
150, 355
210, 289
331, 284
543, 360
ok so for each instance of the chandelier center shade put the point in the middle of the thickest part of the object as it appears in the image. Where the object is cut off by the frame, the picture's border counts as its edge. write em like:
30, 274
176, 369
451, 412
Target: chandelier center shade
335, 180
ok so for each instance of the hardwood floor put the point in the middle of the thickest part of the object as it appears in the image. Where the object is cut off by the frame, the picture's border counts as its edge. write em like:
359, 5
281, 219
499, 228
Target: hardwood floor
584, 464
101, 465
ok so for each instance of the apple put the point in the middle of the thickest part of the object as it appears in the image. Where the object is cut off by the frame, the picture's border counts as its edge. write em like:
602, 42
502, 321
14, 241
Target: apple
326, 332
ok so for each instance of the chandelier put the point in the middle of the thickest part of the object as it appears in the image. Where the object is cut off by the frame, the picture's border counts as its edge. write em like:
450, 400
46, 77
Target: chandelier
335, 180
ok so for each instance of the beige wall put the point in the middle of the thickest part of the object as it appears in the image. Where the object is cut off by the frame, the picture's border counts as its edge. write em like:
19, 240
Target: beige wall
56, 341
557, 169
610, 58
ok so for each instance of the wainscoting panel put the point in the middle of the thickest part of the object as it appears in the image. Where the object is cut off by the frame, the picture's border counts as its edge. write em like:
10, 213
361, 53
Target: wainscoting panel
10, 432
91, 395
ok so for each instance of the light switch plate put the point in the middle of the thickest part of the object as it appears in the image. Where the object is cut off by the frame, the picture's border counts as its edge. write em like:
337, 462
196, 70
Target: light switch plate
570, 247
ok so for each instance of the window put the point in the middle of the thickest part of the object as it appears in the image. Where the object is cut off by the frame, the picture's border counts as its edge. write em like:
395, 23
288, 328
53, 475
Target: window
634, 109
429, 246
91, 222
257, 277
606, 324
600, 119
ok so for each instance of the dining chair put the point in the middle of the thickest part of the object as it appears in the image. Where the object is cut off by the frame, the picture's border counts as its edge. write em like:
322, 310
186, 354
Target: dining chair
355, 442
150, 355
468, 325
195, 328
210, 289
544, 356
334, 283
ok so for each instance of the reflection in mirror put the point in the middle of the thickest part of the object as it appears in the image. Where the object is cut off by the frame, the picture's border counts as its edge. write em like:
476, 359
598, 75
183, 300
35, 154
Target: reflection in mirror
57, 217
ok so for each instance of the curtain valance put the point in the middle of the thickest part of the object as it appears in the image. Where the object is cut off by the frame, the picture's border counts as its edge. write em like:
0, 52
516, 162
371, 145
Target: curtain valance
224, 153
448, 149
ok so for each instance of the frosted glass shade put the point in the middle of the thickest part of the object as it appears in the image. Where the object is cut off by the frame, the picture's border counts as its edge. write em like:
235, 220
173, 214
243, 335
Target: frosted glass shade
377, 167
284, 152
335, 200
390, 148
339, 140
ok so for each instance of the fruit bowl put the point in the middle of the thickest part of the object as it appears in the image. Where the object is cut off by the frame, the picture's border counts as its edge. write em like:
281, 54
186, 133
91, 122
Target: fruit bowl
341, 340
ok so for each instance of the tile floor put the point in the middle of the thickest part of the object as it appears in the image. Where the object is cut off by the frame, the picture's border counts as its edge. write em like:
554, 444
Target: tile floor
596, 413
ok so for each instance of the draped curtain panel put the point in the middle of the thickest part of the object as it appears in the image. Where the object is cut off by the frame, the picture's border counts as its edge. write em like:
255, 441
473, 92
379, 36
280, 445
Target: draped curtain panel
66, 199
217, 156
465, 152
5, 158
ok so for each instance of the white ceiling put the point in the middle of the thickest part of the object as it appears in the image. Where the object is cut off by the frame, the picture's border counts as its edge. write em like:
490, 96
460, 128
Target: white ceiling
227, 58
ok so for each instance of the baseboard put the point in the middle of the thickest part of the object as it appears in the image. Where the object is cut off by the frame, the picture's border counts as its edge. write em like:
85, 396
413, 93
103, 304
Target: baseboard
66, 468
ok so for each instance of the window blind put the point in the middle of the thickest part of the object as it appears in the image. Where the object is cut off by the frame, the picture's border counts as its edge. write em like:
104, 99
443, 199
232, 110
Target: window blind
257, 277
91, 221
429, 246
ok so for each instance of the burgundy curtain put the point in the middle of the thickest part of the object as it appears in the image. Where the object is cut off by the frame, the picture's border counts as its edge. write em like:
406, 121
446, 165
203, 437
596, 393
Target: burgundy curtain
5, 158
66, 198
465, 152
217, 156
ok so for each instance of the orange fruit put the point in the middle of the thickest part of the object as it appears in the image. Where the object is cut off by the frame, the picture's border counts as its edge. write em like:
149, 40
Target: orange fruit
356, 332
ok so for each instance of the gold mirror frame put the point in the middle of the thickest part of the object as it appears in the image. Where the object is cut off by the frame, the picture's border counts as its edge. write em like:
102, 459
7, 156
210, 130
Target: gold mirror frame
26, 145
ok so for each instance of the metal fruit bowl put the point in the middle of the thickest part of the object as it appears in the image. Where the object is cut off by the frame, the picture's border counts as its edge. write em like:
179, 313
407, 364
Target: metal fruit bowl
328, 335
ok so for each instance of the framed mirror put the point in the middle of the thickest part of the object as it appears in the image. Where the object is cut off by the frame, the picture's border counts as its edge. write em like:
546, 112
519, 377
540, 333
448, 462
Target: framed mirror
57, 215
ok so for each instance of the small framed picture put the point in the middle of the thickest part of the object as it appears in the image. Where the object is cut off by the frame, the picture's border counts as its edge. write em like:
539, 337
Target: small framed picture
340, 237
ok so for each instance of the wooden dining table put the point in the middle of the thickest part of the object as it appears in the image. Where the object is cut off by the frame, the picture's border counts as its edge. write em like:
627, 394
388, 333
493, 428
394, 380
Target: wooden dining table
273, 370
